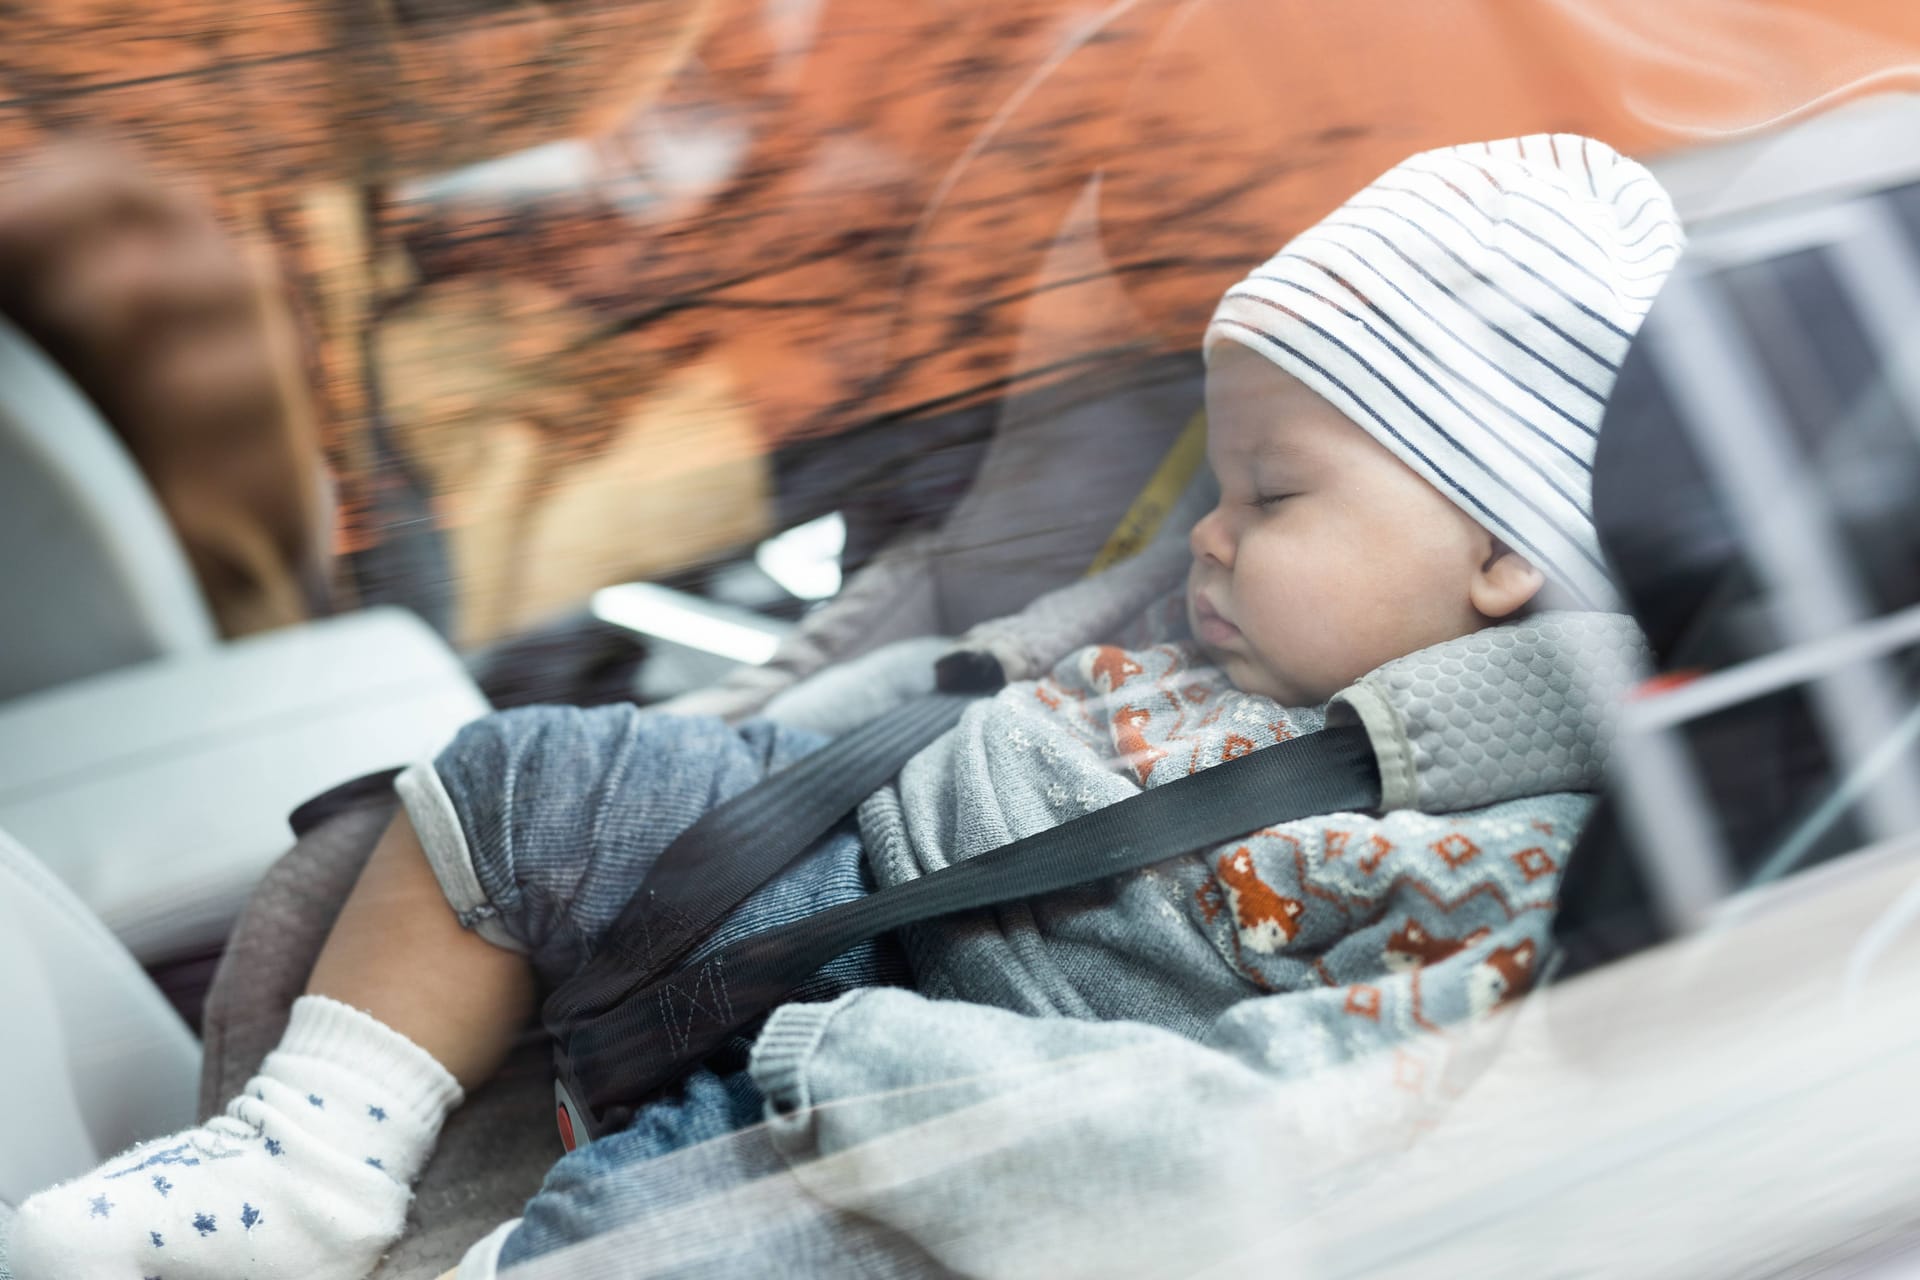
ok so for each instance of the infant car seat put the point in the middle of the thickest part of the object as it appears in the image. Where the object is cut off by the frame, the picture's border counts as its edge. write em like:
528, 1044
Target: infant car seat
1004, 543
1755, 485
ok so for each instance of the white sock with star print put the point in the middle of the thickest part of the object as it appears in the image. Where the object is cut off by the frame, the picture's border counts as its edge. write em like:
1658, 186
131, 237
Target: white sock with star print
306, 1174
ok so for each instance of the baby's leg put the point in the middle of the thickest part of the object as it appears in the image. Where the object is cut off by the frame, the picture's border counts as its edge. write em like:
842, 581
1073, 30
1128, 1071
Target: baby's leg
524, 840
603, 1186
307, 1173
398, 952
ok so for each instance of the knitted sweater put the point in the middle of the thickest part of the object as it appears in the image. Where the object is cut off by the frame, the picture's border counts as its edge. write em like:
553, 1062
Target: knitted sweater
1354, 904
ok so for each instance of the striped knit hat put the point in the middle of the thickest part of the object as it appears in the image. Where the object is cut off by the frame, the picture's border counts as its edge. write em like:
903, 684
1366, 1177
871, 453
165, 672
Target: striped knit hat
1469, 309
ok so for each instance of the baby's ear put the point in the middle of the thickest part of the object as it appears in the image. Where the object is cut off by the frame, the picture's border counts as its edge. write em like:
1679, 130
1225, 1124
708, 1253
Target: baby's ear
1504, 583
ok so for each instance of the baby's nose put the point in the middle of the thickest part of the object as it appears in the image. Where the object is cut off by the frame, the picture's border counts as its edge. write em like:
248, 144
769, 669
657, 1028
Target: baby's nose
1211, 539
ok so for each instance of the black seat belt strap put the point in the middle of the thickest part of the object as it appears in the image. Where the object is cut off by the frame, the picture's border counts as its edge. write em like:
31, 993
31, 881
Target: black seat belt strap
663, 1029
740, 844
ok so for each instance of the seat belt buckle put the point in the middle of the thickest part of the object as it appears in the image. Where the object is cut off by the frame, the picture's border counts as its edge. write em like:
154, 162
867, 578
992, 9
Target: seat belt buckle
579, 1123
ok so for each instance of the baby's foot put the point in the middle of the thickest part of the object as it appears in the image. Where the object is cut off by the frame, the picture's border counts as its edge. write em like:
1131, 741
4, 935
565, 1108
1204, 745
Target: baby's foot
306, 1174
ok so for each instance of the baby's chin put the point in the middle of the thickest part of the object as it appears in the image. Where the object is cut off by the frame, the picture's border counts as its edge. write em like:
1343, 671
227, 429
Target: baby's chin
1253, 677
1249, 675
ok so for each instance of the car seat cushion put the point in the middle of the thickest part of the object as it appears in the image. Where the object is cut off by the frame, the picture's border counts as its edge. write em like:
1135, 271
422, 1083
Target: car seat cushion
1531, 705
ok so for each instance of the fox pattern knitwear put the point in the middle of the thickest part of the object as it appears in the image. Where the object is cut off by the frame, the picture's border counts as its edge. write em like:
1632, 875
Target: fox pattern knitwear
1382, 928
305, 1175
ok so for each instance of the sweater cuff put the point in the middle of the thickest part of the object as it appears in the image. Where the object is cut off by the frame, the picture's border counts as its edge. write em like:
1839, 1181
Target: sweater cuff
778, 1063
324, 1030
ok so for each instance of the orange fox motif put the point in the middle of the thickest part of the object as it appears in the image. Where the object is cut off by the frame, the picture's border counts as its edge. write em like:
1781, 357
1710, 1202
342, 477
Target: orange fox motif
1267, 920
1141, 754
1504, 975
1114, 666
1413, 947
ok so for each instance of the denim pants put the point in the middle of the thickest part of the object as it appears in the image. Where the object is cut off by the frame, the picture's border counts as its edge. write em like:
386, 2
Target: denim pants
563, 811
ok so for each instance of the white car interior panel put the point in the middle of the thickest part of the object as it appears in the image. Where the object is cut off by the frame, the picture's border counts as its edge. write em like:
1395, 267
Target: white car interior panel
96, 1059
93, 577
159, 792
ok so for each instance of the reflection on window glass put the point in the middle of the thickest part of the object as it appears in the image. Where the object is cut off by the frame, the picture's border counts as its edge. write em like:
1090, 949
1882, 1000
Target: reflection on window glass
1837, 389
452, 10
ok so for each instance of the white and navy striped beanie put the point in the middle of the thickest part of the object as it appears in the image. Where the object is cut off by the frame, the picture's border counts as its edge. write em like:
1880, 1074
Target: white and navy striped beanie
1470, 309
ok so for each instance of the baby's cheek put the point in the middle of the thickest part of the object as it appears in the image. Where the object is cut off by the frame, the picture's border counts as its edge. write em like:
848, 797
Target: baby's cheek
1266, 581
1333, 641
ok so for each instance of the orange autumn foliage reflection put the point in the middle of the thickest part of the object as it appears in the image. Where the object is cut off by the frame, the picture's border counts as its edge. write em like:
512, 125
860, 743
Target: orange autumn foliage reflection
860, 210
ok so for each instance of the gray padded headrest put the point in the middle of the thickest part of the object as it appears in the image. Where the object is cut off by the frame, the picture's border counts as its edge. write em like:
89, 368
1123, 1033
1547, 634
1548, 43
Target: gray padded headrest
1510, 711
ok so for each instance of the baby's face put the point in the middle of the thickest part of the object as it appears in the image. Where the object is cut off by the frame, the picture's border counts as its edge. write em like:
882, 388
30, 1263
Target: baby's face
1326, 555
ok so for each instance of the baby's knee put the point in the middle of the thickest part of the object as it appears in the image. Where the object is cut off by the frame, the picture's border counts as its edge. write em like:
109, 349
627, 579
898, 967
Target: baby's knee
508, 810
555, 814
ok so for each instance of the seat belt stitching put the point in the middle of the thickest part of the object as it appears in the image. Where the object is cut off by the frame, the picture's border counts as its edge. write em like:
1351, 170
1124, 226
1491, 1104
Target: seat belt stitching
680, 1030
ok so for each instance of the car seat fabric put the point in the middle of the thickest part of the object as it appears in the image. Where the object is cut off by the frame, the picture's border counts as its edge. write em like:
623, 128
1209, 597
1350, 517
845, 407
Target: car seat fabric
892, 598
1451, 724
845, 695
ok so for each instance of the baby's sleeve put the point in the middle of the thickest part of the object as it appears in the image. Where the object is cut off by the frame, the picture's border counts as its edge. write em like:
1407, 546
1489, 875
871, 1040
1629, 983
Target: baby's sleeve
1342, 898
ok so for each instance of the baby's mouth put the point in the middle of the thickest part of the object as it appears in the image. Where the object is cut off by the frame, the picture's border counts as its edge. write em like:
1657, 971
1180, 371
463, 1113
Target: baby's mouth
1209, 628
